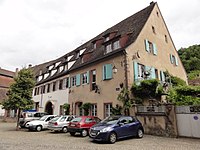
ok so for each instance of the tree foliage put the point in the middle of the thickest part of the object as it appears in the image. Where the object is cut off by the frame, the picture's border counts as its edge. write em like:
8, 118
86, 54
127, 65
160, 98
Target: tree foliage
190, 58
184, 95
20, 92
147, 89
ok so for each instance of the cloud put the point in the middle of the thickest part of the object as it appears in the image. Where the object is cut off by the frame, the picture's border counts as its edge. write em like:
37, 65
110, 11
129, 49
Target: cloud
35, 31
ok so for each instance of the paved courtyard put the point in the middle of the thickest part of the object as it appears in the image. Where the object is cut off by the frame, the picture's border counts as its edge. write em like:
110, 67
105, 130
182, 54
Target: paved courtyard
10, 139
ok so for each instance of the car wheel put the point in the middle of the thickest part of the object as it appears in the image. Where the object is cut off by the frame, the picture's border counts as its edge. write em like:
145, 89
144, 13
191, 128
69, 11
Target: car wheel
38, 128
72, 133
112, 137
64, 130
84, 133
140, 133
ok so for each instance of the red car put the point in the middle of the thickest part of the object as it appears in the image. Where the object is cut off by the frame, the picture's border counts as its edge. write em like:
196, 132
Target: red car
82, 125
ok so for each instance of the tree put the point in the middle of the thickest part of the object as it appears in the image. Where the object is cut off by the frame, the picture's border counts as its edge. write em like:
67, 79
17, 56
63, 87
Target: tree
20, 93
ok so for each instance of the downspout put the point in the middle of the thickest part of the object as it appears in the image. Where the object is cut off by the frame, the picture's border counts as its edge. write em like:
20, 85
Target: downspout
125, 70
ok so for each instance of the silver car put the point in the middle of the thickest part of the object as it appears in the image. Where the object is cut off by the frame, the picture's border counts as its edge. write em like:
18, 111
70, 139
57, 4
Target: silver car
60, 123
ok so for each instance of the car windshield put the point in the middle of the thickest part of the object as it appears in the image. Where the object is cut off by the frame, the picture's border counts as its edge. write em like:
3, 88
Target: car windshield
54, 119
43, 118
110, 120
78, 119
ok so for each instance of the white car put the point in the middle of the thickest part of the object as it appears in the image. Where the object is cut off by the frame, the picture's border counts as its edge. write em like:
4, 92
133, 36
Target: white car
40, 124
60, 123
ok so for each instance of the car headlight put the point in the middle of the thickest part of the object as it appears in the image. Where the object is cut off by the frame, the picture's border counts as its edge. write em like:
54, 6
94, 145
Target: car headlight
106, 129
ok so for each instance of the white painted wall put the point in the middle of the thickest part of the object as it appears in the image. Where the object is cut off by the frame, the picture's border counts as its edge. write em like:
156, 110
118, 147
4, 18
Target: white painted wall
2, 111
58, 98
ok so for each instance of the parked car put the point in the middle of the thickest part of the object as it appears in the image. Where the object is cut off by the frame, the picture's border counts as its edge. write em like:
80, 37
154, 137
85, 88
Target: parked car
60, 123
116, 127
40, 124
82, 125
29, 116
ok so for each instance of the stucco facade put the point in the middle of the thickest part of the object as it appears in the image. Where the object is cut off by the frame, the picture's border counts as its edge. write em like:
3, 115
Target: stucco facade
137, 48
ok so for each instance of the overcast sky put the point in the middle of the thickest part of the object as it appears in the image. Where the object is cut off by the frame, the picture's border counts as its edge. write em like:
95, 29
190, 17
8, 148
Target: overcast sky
36, 31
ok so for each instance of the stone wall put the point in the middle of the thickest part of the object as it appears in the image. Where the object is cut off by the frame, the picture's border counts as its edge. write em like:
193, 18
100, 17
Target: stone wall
159, 123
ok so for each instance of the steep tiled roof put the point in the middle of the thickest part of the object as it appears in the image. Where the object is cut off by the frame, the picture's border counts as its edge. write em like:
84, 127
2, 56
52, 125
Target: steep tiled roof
7, 73
128, 29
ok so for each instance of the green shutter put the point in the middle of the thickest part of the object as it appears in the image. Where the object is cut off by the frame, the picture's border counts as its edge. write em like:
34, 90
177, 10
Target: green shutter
162, 76
171, 58
88, 77
146, 45
103, 72
135, 71
154, 49
78, 79
153, 73
176, 61
109, 71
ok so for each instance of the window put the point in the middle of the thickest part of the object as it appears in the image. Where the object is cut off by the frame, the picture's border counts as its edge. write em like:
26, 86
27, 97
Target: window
94, 110
88, 120
84, 78
107, 109
157, 14
153, 29
166, 40
141, 69
73, 80
112, 46
150, 47
107, 72
67, 82
108, 48
48, 88
174, 60
60, 84
43, 89
54, 86
94, 45
107, 39
93, 79
116, 45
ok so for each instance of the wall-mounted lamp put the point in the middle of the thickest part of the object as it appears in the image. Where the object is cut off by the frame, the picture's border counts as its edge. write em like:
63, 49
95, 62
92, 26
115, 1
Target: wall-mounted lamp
114, 69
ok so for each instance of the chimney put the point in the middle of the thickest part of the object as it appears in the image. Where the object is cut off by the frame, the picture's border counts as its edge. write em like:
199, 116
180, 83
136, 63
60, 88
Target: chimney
151, 2
29, 66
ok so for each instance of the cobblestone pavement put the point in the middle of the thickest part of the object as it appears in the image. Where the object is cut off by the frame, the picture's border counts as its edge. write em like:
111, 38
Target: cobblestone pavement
10, 139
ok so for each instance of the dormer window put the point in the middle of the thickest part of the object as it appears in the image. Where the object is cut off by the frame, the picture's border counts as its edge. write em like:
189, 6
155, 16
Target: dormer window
94, 45
51, 67
61, 68
107, 39
112, 46
116, 45
108, 48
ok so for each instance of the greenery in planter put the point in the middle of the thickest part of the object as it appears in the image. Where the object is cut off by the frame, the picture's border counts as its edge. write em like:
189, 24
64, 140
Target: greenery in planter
147, 89
184, 95
66, 106
124, 97
175, 81
86, 107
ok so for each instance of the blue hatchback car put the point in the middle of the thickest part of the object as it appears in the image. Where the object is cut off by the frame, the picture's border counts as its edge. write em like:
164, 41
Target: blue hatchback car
116, 127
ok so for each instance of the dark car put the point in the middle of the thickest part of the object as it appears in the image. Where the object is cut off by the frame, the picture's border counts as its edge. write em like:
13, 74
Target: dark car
116, 127
82, 125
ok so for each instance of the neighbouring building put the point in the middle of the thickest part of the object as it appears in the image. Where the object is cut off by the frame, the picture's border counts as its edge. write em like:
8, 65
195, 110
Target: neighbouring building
137, 48
6, 78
